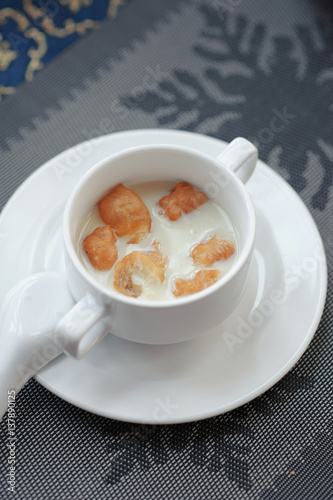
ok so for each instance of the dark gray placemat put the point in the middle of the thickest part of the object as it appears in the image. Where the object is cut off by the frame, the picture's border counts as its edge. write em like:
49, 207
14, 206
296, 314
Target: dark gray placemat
225, 69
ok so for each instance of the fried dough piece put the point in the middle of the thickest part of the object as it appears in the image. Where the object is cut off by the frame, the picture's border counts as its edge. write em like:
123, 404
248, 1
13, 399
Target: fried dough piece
157, 257
133, 270
100, 247
126, 213
202, 279
183, 199
205, 254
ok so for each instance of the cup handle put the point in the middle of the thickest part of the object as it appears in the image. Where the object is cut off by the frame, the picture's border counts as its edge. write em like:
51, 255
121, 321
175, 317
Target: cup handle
240, 153
82, 327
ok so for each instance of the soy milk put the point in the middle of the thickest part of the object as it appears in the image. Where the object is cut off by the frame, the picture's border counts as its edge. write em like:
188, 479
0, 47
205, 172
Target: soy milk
176, 238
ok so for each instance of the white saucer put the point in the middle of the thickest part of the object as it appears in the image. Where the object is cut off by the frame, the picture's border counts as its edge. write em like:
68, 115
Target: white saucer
223, 369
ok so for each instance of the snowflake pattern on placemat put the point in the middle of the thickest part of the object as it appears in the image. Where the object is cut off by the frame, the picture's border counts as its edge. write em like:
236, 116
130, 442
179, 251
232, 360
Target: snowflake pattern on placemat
267, 103
313, 459
220, 444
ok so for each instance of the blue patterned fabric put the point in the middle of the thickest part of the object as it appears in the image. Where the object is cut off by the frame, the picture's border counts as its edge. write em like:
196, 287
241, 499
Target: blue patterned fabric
32, 32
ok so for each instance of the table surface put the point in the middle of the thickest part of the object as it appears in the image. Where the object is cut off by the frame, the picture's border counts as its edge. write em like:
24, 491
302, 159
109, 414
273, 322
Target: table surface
224, 69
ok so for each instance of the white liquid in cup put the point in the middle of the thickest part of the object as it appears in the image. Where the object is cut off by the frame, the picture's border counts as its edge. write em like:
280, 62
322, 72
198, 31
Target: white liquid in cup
176, 238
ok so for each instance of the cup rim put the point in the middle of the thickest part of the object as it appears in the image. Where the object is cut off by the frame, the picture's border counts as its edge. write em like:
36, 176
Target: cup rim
144, 303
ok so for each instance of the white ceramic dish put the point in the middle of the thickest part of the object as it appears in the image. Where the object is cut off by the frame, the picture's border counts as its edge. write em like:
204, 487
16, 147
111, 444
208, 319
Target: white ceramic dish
225, 368
181, 319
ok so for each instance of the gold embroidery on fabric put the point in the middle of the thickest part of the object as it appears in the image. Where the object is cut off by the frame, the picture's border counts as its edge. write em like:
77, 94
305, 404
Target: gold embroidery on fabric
113, 7
35, 54
32, 10
21, 21
36, 31
6, 91
69, 28
23, 25
46, 22
7, 55
76, 5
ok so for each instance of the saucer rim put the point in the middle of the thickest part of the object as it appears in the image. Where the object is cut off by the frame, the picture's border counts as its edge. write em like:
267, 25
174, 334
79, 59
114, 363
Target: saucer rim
284, 369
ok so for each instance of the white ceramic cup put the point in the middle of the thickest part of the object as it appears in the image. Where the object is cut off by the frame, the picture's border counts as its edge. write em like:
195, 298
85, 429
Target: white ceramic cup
100, 310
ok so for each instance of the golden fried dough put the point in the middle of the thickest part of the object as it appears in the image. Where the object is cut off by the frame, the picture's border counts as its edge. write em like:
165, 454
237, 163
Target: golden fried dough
134, 270
183, 199
157, 257
126, 213
100, 247
202, 279
213, 250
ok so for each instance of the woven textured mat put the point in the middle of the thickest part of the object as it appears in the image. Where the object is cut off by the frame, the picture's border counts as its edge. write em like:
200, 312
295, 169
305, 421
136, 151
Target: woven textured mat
224, 69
